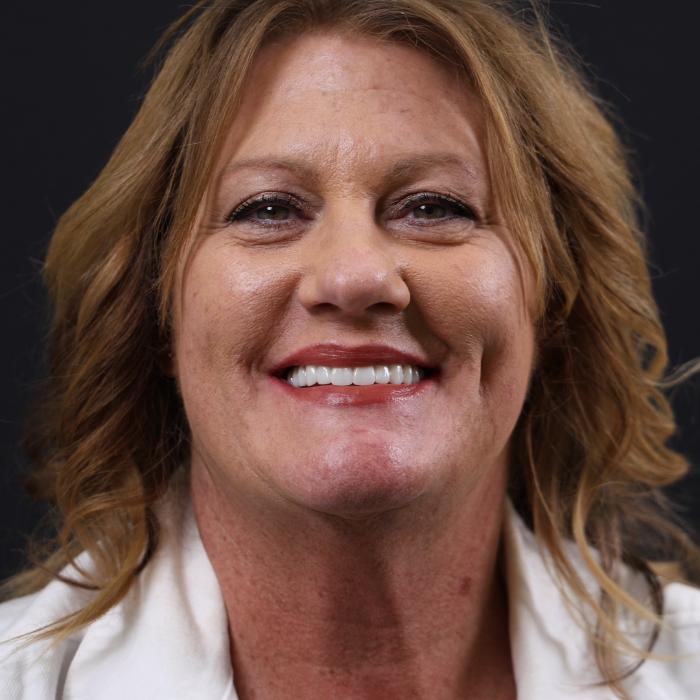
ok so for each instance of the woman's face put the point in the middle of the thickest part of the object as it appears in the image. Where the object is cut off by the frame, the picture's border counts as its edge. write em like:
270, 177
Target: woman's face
350, 226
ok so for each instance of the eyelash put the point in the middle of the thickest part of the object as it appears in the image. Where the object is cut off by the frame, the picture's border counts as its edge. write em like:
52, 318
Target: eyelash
460, 209
244, 211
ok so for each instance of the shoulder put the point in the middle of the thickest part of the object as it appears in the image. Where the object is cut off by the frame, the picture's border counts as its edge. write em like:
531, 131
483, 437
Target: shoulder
31, 668
172, 616
672, 671
12, 610
543, 626
680, 631
682, 605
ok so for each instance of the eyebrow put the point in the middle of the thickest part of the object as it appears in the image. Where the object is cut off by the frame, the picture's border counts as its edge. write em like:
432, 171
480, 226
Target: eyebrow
405, 167
294, 165
400, 170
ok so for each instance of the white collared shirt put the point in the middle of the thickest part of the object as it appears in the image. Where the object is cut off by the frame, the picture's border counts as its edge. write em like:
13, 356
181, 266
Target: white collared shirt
168, 638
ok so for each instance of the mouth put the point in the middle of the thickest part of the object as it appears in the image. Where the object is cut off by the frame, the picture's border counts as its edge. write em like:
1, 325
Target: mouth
394, 375
334, 375
349, 386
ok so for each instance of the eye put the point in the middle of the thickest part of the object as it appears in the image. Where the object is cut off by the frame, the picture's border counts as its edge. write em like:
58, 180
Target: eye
431, 206
271, 212
431, 211
266, 209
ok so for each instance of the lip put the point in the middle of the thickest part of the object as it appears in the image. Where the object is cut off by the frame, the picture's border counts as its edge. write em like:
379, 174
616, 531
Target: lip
330, 395
335, 355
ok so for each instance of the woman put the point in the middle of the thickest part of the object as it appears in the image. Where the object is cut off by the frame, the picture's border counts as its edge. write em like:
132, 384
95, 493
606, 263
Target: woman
361, 279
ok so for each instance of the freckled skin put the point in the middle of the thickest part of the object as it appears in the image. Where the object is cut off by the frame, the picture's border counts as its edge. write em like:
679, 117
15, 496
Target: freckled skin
263, 465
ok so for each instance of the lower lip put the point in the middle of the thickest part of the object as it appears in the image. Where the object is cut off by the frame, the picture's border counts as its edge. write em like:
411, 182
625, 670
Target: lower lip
330, 395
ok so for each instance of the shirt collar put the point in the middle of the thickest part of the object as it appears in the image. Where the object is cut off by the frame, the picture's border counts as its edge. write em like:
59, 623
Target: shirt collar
169, 637
552, 658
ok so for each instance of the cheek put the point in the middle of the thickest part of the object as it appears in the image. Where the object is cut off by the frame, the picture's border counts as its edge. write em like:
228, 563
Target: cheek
231, 307
229, 313
508, 342
475, 300
476, 303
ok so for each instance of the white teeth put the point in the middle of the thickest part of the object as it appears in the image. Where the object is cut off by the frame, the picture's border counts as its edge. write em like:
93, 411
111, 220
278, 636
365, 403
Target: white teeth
381, 374
311, 375
323, 375
341, 376
363, 376
396, 374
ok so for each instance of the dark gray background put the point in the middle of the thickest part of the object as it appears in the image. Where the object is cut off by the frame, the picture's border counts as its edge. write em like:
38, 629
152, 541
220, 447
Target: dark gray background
71, 84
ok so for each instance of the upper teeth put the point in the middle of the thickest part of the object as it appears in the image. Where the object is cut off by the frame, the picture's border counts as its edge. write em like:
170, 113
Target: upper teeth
311, 375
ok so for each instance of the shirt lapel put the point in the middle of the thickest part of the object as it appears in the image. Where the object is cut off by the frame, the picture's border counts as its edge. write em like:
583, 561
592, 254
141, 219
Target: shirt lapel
552, 658
169, 637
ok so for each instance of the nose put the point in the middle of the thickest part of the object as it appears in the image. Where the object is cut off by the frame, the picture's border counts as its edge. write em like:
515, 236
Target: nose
351, 269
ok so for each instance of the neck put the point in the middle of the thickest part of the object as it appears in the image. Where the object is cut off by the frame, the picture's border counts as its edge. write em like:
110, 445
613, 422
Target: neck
407, 604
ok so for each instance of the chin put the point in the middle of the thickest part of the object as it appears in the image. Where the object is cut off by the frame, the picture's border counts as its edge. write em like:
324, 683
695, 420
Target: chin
360, 481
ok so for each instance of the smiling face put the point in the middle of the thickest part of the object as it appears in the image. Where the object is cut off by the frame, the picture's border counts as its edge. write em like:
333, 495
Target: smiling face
351, 225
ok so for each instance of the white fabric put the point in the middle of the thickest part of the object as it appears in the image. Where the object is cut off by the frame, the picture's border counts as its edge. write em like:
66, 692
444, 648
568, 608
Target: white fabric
168, 638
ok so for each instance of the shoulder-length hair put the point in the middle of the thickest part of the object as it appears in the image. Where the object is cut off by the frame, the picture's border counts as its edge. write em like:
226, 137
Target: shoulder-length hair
590, 450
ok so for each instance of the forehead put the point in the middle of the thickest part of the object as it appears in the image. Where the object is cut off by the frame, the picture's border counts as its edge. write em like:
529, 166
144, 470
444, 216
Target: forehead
348, 100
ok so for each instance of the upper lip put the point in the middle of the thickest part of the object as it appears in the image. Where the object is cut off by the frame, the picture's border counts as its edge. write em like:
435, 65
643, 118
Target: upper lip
335, 355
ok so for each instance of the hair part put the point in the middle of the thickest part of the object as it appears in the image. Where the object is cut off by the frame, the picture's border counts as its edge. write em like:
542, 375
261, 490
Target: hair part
590, 450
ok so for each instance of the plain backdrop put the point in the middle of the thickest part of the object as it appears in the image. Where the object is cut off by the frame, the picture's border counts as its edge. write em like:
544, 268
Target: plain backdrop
71, 83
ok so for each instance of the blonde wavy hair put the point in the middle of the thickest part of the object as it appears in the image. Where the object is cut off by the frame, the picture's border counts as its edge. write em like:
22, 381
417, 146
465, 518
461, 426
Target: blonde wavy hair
590, 450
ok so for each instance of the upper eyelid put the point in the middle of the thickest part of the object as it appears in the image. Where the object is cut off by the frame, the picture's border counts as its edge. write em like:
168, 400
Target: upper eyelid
267, 198
423, 197
252, 203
